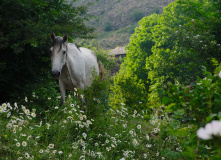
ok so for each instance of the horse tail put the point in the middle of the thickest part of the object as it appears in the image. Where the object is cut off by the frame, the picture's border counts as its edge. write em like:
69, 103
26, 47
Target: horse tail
102, 70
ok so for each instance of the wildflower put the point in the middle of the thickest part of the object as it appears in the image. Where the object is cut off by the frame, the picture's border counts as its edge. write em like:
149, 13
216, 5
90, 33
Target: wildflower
9, 114
211, 129
70, 155
41, 151
65, 121
49, 98
48, 125
139, 127
207, 147
26, 99
18, 144
131, 132
148, 137
135, 142
82, 96
35, 144
220, 74
27, 155
54, 151
96, 144
9, 125
152, 122
29, 117
51, 146
29, 137
133, 115
107, 141
69, 96
24, 143
108, 148
135, 111
33, 114
144, 156
27, 111
1, 109
75, 89
60, 152
149, 145
84, 135
20, 128
155, 130
70, 112
81, 118
124, 125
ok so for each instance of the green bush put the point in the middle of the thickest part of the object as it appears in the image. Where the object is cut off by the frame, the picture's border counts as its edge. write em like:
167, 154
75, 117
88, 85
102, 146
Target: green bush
136, 15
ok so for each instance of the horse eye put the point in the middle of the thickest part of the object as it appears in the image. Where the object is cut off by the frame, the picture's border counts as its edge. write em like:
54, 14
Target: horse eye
50, 52
64, 52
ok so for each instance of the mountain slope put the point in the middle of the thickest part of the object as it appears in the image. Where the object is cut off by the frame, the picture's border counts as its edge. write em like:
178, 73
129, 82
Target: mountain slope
115, 20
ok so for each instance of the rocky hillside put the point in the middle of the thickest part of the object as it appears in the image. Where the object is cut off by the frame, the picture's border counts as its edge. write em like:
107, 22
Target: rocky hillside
115, 20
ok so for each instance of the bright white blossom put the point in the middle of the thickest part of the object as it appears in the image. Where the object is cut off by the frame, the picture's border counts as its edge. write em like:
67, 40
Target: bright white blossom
220, 74
211, 129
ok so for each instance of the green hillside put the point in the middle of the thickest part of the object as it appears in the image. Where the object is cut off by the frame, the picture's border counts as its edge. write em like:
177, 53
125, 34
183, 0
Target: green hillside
115, 20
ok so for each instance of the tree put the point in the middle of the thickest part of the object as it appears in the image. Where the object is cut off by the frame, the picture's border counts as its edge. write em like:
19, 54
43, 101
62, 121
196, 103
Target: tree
24, 38
169, 48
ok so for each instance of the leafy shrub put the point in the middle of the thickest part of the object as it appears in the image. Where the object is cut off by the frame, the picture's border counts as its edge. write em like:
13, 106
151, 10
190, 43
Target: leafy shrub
108, 26
136, 15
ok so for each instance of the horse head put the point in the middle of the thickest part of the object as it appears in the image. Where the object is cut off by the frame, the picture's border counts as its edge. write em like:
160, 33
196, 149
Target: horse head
58, 51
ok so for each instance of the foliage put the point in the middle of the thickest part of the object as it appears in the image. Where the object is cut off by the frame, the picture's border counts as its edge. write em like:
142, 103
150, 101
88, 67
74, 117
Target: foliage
108, 26
136, 15
170, 47
24, 39
130, 84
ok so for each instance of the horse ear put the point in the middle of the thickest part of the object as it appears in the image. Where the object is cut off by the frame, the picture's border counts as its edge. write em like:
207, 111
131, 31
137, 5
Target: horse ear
52, 36
65, 38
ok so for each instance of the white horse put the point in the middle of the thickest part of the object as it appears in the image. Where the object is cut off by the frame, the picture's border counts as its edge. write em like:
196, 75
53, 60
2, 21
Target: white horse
73, 66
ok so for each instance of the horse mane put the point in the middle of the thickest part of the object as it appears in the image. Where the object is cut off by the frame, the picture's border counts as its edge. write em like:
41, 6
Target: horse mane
57, 41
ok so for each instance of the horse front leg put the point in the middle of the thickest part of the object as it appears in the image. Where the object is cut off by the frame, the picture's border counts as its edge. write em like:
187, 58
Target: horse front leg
62, 88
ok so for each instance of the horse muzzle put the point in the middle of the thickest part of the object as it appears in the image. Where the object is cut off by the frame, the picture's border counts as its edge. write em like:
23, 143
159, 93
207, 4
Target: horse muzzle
55, 74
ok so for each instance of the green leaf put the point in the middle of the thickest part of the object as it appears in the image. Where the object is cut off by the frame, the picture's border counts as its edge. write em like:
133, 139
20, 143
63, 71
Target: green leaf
210, 117
166, 100
179, 112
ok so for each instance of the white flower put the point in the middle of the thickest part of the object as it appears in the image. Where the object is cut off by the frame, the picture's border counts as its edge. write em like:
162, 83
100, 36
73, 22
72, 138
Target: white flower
139, 127
135, 142
51, 146
84, 135
27, 155
33, 114
18, 144
24, 143
220, 74
149, 145
211, 129
41, 151
148, 137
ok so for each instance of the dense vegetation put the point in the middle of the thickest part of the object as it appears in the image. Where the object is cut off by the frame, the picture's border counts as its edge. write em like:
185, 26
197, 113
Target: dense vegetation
168, 87
110, 18
24, 38
172, 47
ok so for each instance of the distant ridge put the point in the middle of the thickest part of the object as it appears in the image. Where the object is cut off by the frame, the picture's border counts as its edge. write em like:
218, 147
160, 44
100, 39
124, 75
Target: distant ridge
119, 17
